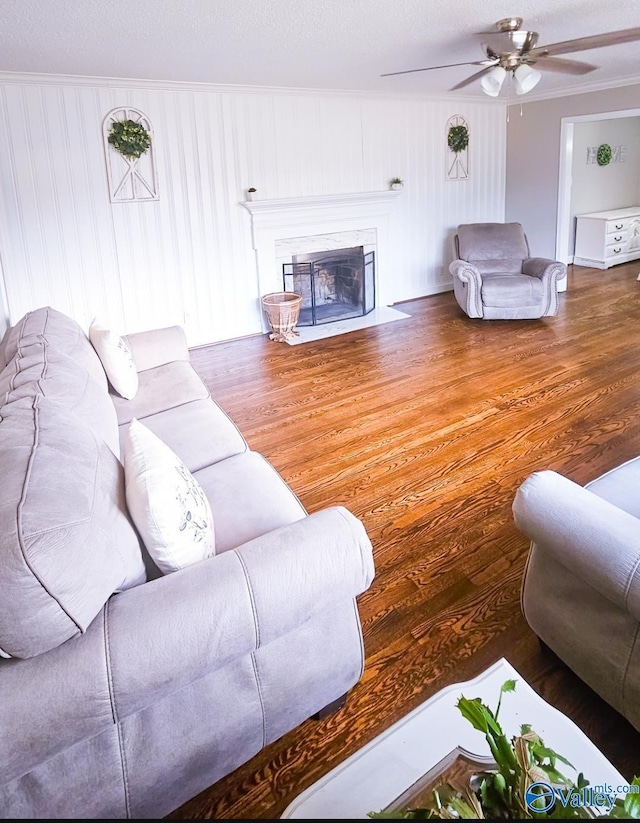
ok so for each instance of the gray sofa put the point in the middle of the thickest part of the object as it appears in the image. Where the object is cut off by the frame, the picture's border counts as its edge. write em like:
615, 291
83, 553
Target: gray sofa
581, 588
125, 692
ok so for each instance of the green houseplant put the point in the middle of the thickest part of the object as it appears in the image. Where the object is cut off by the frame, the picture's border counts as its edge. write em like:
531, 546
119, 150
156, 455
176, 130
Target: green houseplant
526, 783
396, 182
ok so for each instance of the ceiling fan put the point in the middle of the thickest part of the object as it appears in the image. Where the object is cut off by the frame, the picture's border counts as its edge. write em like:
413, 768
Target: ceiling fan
511, 49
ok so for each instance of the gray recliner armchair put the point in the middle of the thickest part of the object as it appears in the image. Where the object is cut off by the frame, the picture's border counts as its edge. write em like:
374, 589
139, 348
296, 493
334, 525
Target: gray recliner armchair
495, 277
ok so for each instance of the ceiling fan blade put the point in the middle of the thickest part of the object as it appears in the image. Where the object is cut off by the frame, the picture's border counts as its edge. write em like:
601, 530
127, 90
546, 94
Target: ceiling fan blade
473, 77
449, 66
561, 65
596, 41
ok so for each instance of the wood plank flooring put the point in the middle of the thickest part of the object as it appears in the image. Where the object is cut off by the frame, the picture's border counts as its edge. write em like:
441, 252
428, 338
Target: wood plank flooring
424, 428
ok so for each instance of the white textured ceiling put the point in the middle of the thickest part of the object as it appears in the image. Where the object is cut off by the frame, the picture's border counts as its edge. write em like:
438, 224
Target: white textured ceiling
319, 44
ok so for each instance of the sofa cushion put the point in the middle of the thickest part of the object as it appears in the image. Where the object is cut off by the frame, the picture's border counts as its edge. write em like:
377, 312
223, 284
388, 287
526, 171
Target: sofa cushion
62, 333
506, 266
116, 359
166, 502
160, 388
248, 498
200, 433
39, 368
505, 242
511, 290
67, 542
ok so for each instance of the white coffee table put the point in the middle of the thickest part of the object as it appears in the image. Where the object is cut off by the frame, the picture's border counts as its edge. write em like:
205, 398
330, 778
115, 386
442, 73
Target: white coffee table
382, 770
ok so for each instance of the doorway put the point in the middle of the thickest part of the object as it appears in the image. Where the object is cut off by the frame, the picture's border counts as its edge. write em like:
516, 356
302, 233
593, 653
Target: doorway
564, 226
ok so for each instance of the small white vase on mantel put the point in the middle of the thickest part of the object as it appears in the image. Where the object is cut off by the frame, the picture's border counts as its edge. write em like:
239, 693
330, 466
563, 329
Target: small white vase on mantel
397, 186
251, 194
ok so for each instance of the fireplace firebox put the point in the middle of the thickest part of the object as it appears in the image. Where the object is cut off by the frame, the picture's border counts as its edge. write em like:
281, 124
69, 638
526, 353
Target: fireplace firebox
334, 285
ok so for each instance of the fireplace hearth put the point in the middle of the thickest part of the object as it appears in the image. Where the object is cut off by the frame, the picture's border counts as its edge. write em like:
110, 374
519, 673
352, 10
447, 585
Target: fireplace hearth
334, 285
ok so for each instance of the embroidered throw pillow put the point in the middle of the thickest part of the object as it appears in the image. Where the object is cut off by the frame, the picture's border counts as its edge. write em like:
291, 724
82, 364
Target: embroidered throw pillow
116, 359
166, 502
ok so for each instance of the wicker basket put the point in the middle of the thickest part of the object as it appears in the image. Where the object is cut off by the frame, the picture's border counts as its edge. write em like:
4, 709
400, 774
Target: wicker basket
283, 310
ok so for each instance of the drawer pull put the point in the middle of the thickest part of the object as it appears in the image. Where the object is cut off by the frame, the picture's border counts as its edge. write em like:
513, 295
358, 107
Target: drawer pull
617, 251
617, 239
621, 226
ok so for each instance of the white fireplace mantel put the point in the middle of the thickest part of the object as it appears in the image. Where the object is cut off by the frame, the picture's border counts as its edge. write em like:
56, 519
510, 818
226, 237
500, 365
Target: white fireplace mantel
273, 220
266, 211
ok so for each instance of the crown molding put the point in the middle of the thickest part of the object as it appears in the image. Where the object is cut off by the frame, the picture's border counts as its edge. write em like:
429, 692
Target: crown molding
631, 80
45, 79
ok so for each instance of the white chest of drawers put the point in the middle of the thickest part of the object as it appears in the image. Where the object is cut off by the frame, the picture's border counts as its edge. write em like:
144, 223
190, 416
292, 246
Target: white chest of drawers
606, 238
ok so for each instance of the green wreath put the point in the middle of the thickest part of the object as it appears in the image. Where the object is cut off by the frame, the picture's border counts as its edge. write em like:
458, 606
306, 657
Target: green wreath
129, 138
458, 138
604, 154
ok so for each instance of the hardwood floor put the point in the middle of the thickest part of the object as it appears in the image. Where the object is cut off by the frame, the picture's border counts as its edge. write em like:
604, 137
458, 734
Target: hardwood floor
424, 428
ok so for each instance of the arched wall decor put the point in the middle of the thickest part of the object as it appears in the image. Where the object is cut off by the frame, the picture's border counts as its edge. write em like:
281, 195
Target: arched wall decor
457, 162
131, 179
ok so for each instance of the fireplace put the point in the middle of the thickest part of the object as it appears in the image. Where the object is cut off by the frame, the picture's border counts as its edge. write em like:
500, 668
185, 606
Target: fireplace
336, 284
288, 227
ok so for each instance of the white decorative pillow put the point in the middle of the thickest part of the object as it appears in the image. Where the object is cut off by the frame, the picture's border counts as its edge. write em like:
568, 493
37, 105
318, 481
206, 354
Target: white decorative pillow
166, 502
116, 359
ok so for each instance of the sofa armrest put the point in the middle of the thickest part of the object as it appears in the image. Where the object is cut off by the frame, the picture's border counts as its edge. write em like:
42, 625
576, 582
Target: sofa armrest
466, 272
178, 628
544, 268
172, 631
3, 346
157, 347
586, 534
467, 286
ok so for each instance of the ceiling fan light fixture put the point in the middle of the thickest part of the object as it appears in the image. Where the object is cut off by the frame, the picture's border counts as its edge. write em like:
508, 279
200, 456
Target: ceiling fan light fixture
492, 81
525, 78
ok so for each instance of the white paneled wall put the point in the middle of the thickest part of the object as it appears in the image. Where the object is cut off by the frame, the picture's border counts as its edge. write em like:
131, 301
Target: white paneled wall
188, 257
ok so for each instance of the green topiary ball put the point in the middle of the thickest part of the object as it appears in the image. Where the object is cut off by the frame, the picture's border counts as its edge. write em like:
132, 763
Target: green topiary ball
604, 154
131, 139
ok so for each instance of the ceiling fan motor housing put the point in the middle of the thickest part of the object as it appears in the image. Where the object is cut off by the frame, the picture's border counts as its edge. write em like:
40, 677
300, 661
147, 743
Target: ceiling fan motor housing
509, 24
510, 44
